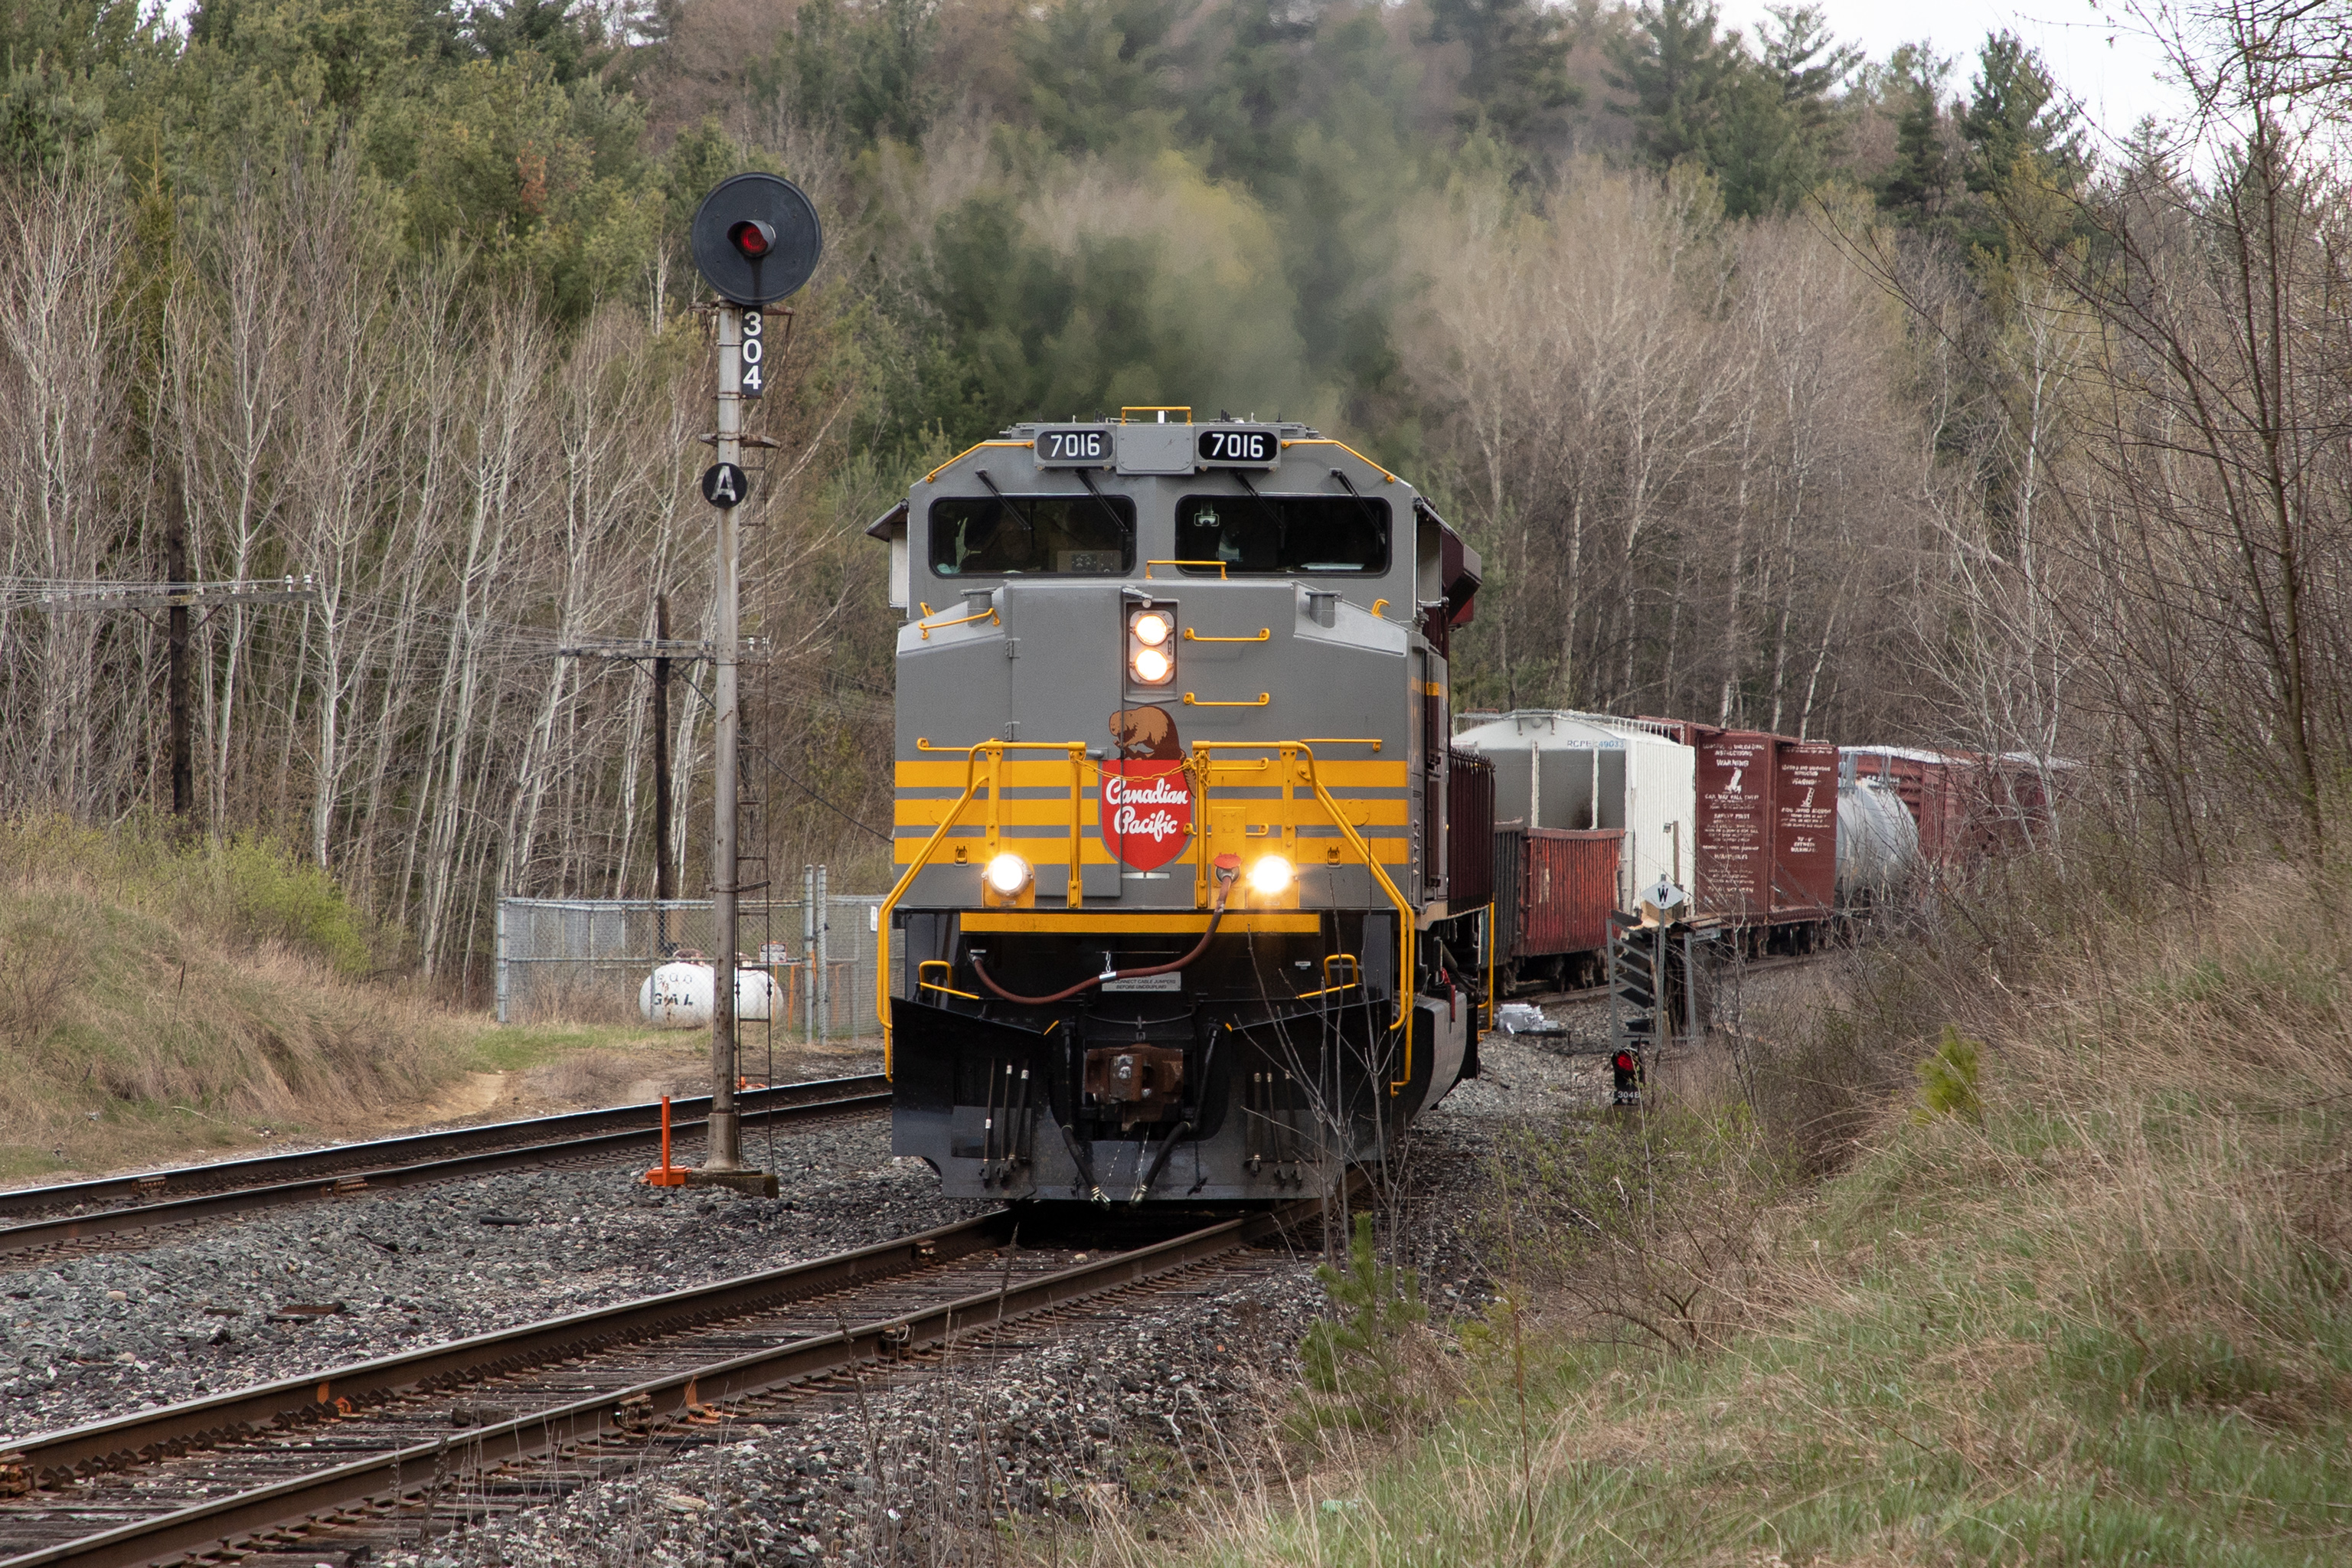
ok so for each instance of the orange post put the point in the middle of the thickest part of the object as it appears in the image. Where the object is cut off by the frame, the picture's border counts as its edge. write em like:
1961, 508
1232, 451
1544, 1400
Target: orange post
666, 1174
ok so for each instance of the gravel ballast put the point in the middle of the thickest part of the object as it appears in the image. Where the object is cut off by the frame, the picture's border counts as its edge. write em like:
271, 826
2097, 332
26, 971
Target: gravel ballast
1132, 1412
101, 1335
1105, 1413
1086, 1411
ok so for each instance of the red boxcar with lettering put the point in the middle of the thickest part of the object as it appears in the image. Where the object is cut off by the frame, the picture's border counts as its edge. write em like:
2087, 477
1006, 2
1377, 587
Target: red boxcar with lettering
1766, 833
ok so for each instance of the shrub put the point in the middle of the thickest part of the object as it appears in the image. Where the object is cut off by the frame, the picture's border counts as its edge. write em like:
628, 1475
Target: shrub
1948, 1080
1360, 1360
1648, 1230
277, 897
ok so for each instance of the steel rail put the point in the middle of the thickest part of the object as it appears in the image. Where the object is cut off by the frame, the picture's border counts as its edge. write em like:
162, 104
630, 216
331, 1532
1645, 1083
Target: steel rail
125, 1440
208, 1525
258, 1170
333, 1173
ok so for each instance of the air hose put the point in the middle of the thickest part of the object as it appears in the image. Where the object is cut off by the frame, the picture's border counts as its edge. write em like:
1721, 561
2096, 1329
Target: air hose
1226, 875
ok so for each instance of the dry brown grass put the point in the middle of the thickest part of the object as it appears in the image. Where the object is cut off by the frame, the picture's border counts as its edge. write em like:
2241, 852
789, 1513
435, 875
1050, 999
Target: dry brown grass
2099, 1311
141, 1014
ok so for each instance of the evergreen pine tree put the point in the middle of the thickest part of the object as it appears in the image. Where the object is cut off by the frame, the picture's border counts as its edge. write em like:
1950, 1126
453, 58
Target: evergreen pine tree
1518, 61
2015, 112
1673, 69
1915, 189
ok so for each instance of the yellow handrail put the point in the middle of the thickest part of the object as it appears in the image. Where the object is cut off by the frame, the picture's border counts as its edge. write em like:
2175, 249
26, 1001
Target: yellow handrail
967, 452
1377, 605
1223, 575
1265, 633
931, 964
898, 890
1326, 441
1192, 701
1406, 932
1076, 752
1329, 959
929, 626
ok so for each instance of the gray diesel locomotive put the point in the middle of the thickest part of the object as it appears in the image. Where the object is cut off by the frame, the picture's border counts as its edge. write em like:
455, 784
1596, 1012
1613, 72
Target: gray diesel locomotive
1176, 919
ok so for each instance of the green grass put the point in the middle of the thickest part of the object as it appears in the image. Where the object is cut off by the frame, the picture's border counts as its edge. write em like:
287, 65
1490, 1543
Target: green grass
516, 1047
2086, 1301
1952, 1392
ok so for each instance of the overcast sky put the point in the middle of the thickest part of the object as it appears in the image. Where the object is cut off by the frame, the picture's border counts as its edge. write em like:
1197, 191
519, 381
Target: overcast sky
2098, 52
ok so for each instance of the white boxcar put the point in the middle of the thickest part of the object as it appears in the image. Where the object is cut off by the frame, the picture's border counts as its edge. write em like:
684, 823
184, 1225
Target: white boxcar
1556, 768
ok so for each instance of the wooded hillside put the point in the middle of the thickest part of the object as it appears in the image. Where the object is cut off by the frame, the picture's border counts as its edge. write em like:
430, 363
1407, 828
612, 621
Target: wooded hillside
1869, 400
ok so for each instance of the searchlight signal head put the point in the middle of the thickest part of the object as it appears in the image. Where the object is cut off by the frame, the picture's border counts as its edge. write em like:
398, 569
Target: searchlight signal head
756, 239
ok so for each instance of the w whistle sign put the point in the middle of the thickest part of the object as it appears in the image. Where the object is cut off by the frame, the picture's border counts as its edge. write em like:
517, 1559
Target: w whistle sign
725, 485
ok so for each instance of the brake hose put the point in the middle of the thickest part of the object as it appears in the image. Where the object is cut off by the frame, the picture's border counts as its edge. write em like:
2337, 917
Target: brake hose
1226, 875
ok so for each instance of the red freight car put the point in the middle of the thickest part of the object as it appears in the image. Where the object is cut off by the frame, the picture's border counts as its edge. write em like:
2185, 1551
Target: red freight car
1554, 888
1765, 832
1967, 803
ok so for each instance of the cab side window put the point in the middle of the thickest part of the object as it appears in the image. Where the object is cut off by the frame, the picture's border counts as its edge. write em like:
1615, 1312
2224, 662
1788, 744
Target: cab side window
1019, 535
1274, 534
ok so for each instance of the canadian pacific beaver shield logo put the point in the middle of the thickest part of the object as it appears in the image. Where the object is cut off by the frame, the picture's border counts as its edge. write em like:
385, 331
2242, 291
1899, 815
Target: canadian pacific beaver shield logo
1146, 811
1146, 802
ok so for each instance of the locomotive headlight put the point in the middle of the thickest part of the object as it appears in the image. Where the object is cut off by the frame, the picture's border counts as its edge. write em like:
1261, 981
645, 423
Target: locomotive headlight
1270, 876
1151, 645
1007, 874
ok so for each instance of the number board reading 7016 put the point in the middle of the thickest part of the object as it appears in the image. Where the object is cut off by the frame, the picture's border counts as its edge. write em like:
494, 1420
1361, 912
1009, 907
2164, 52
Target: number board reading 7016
1073, 447
1246, 446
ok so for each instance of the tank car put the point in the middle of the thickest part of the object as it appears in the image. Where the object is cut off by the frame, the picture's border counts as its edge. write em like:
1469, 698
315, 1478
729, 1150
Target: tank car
1174, 920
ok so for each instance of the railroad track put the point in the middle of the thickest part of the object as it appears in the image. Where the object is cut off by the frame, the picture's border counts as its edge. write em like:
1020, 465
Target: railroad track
368, 1455
1749, 969
44, 1217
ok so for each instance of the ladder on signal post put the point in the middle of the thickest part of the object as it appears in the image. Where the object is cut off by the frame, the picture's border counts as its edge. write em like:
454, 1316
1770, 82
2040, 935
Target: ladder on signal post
1653, 1001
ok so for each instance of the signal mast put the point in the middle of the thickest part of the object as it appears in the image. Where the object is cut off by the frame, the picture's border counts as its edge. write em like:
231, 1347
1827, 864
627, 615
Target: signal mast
756, 240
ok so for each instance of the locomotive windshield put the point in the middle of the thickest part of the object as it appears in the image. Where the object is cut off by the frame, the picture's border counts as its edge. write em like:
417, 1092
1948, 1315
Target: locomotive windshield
1283, 533
1081, 535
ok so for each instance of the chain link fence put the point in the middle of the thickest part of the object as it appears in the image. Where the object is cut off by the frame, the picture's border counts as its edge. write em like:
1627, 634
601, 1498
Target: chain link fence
587, 959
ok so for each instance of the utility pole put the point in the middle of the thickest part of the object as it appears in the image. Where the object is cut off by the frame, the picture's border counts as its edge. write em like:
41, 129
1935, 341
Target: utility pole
664, 874
176, 596
175, 679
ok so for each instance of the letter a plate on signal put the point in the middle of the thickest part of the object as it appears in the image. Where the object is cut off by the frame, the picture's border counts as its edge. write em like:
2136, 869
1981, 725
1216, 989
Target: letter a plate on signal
1146, 811
724, 484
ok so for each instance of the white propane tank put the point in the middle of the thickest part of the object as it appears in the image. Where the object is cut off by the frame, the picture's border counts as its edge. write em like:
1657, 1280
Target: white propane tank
678, 996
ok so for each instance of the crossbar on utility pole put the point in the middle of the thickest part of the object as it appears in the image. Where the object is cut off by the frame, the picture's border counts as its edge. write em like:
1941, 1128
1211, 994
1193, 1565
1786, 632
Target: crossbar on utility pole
176, 595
